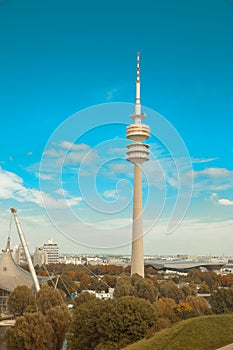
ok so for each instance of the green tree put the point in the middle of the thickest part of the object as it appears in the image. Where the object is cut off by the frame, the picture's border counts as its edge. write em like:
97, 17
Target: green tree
47, 298
110, 324
89, 324
131, 320
59, 318
31, 332
20, 299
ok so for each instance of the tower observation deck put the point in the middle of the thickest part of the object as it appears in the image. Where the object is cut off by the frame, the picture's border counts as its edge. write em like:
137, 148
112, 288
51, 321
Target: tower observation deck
137, 153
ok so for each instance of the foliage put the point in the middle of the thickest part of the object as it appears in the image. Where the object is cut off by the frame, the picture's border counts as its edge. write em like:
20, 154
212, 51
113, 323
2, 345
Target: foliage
89, 324
84, 298
205, 333
47, 298
136, 286
165, 308
31, 332
20, 298
184, 310
110, 324
59, 318
170, 290
131, 319
199, 306
123, 287
221, 301
144, 288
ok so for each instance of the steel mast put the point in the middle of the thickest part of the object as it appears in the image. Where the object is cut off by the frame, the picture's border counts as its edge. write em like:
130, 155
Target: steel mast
26, 250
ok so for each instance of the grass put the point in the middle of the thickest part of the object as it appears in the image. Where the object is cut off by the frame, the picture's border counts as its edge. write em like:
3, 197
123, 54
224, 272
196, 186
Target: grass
201, 333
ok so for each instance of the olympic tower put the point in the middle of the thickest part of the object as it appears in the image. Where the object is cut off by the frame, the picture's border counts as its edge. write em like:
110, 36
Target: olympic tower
137, 153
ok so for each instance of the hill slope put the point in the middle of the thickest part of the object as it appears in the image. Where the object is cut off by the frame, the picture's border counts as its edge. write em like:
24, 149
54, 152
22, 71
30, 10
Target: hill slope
201, 333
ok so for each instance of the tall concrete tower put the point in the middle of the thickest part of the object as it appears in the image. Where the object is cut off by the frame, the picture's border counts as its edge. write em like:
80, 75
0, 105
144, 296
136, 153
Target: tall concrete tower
137, 153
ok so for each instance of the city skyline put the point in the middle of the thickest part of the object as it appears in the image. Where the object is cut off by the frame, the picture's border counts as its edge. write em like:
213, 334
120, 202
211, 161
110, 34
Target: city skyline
61, 60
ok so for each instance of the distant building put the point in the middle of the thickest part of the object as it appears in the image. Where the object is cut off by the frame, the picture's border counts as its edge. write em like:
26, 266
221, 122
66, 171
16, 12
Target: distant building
40, 257
19, 255
52, 251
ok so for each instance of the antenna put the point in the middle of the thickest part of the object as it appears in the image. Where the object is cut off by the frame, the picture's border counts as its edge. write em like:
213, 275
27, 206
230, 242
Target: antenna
138, 83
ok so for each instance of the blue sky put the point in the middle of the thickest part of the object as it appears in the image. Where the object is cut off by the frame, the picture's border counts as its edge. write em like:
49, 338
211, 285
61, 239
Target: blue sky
60, 64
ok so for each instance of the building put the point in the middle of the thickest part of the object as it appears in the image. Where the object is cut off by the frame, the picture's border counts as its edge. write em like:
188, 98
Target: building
40, 257
52, 251
19, 255
137, 153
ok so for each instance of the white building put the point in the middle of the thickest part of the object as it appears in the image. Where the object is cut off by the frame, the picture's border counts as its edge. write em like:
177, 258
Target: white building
19, 255
40, 257
52, 251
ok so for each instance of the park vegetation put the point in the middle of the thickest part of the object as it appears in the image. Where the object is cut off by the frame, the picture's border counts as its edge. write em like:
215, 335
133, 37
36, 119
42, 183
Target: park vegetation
140, 308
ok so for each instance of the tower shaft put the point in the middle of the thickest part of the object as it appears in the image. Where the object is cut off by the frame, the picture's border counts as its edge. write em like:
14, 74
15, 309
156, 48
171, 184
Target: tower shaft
137, 253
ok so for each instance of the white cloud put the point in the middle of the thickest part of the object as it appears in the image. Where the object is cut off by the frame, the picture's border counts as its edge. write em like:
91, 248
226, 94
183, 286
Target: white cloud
13, 188
213, 179
225, 201
203, 160
110, 194
73, 146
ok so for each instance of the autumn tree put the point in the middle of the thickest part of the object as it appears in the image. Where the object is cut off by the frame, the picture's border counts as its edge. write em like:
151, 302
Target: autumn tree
144, 288
20, 299
47, 298
170, 290
199, 305
184, 310
165, 308
136, 286
31, 332
59, 319
84, 298
221, 301
123, 287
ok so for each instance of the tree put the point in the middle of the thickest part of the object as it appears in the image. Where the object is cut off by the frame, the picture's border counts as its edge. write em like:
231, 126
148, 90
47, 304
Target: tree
31, 332
47, 298
144, 288
131, 320
222, 301
165, 308
170, 290
89, 324
184, 310
59, 318
204, 288
199, 305
123, 287
110, 324
84, 298
20, 299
